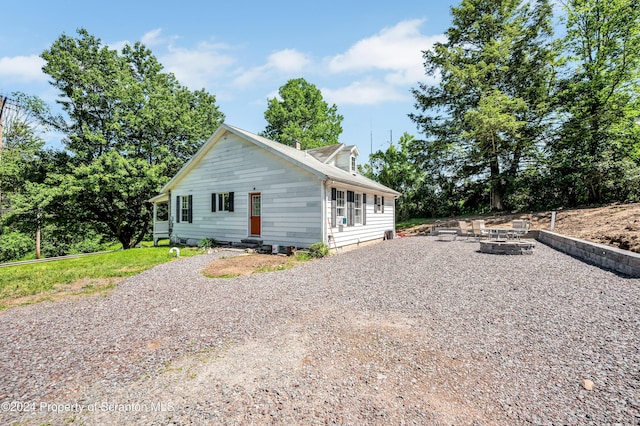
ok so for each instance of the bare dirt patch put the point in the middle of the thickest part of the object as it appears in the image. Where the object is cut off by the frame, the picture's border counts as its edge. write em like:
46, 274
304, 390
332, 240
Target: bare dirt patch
248, 264
617, 225
79, 288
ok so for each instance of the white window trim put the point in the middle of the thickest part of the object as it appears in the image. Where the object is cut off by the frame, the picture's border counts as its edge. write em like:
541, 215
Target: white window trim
223, 201
184, 209
357, 220
344, 203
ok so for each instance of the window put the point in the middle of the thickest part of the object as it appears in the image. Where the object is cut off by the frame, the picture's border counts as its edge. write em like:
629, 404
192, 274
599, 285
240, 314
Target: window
222, 202
378, 204
184, 208
358, 208
340, 207
353, 164
256, 200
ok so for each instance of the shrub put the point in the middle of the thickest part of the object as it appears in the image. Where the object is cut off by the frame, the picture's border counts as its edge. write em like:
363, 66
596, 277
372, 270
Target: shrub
319, 250
14, 245
207, 243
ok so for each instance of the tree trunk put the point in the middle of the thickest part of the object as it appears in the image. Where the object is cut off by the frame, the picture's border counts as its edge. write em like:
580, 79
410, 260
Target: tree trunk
495, 183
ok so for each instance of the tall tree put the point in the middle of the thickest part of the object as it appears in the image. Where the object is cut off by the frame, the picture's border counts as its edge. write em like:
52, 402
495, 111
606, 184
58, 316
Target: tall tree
20, 146
125, 102
597, 155
123, 111
394, 168
302, 115
20, 155
488, 112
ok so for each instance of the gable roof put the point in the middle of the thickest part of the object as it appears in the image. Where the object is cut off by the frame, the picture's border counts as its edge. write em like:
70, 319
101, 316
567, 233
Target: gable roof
302, 159
324, 154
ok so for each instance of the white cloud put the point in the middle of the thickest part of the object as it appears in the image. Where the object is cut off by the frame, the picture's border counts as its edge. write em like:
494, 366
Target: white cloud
22, 68
151, 38
364, 92
397, 49
288, 61
247, 77
119, 45
198, 67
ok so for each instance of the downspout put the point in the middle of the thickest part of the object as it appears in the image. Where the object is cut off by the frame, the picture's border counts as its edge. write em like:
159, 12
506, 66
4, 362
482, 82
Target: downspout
169, 213
155, 219
323, 194
395, 204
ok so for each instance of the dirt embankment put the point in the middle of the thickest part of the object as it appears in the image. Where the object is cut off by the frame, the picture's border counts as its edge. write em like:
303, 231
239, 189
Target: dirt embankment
617, 225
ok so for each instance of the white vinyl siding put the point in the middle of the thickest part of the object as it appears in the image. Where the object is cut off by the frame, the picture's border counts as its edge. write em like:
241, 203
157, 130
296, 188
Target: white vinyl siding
374, 225
291, 204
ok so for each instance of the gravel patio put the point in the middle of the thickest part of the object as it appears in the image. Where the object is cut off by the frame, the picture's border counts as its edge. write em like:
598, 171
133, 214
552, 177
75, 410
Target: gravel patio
407, 331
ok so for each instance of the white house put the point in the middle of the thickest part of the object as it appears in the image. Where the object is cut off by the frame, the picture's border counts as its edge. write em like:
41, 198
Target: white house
242, 186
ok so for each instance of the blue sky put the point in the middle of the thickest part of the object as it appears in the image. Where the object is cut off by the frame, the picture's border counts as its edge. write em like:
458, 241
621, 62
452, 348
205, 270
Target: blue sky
364, 56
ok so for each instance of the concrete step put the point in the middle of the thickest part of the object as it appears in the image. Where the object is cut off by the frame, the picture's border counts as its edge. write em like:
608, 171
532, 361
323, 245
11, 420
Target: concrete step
251, 241
245, 245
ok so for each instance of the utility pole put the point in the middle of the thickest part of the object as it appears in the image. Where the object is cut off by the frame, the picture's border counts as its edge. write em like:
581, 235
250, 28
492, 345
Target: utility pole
3, 101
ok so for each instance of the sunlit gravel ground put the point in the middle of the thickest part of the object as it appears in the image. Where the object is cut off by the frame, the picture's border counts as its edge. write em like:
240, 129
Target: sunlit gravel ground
411, 330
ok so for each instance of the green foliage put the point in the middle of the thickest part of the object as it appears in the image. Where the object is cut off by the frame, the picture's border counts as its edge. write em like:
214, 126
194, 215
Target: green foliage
302, 115
14, 245
486, 115
75, 239
113, 190
207, 243
302, 257
595, 156
130, 127
396, 169
318, 250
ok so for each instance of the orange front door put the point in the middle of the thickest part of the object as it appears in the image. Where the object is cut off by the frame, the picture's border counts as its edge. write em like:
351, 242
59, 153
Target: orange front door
254, 213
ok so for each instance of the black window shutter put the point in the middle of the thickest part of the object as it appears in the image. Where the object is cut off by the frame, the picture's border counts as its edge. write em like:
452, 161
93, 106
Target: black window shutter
178, 206
333, 207
169, 207
382, 202
213, 202
351, 210
375, 203
190, 201
231, 201
364, 209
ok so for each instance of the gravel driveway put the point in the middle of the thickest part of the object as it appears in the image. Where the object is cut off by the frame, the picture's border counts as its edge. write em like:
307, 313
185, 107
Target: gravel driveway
411, 330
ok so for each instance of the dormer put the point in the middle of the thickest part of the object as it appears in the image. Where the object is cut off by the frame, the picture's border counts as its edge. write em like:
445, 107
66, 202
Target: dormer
346, 159
339, 155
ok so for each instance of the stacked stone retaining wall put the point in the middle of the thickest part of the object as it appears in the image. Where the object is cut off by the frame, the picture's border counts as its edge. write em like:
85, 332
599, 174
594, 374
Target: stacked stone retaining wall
612, 258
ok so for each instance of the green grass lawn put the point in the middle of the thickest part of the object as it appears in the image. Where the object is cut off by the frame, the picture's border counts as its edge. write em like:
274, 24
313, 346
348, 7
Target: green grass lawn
18, 284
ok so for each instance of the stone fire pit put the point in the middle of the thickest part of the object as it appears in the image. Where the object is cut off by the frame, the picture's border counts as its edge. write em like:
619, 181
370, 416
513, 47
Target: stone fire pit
506, 247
